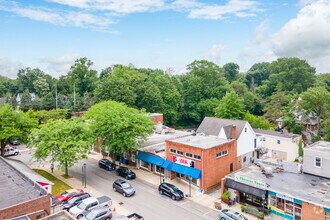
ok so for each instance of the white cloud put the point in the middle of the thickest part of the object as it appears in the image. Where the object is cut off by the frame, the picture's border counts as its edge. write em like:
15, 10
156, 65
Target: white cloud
307, 36
117, 6
57, 66
216, 51
239, 8
261, 33
9, 68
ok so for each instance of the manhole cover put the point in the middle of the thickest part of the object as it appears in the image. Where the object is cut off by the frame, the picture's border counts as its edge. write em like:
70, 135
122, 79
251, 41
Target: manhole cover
121, 203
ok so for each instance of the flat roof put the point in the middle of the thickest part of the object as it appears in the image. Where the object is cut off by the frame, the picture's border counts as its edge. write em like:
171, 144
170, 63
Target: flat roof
161, 138
201, 141
62, 215
16, 187
275, 133
323, 146
290, 182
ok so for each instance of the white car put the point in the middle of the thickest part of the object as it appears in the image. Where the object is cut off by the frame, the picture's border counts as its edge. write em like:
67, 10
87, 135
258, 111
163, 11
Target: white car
89, 204
10, 151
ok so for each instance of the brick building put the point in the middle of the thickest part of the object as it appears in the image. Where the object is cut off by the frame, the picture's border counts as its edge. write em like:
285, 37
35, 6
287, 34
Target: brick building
213, 156
21, 196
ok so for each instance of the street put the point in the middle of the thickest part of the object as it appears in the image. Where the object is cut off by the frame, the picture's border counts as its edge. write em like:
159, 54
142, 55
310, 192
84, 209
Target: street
147, 201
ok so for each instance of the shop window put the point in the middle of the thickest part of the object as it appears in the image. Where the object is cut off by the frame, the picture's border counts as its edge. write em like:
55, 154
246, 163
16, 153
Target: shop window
289, 207
144, 164
272, 201
160, 169
318, 162
327, 216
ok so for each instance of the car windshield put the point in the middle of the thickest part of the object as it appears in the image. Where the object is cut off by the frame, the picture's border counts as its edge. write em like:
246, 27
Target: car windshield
175, 188
64, 194
129, 171
91, 215
82, 205
125, 185
72, 200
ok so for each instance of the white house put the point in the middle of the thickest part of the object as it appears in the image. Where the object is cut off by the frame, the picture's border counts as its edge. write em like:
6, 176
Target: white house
278, 145
222, 128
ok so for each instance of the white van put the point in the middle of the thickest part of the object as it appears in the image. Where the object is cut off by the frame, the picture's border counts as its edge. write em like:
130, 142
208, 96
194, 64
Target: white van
9, 151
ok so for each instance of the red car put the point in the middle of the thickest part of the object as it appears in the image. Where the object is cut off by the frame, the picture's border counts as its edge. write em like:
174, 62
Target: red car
65, 196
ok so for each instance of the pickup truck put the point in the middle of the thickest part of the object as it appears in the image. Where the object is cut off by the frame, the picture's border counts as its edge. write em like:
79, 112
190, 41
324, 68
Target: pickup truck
88, 204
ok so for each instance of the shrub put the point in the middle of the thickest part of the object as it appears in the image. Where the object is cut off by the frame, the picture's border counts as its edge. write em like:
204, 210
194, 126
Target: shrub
226, 195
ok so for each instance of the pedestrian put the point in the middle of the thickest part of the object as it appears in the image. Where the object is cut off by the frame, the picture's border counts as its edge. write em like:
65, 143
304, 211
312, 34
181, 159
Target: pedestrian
52, 167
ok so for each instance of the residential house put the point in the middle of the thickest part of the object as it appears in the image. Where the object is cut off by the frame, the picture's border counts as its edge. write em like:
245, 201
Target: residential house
316, 160
277, 145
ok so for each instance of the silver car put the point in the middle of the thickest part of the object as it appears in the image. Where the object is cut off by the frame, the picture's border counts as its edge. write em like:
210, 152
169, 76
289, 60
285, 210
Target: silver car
228, 214
123, 187
102, 213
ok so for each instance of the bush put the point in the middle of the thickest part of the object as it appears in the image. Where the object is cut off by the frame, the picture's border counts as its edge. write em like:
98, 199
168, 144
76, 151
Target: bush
243, 208
226, 195
261, 214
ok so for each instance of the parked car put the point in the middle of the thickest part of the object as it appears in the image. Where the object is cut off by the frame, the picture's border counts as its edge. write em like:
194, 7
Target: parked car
65, 196
10, 151
15, 142
171, 191
107, 164
75, 200
89, 204
123, 187
101, 213
125, 172
228, 214
134, 216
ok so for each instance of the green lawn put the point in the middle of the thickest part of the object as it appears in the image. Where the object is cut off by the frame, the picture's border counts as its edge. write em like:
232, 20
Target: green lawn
58, 187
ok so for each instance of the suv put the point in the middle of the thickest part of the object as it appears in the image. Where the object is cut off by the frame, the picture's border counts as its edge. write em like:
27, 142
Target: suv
75, 200
170, 190
126, 173
10, 151
102, 213
228, 214
123, 187
107, 164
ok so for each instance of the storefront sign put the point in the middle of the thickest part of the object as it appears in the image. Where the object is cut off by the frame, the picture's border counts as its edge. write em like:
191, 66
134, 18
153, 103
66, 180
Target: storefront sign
251, 182
281, 196
182, 161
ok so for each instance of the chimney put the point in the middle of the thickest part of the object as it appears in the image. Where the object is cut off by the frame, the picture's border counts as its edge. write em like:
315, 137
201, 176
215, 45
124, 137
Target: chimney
233, 132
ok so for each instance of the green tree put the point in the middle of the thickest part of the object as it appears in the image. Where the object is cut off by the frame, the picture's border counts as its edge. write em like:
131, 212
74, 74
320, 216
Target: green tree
48, 101
13, 125
231, 71
121, 128
26, 101
257, 74
231, 107
326, 125
258, 122
41, 86
323, 80
82, 77
292, 73
27, 77
66, 141
316, 100
206, 107
276, 107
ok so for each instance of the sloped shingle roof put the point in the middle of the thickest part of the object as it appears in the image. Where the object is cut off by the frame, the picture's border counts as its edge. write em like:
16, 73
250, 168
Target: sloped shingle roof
212, 126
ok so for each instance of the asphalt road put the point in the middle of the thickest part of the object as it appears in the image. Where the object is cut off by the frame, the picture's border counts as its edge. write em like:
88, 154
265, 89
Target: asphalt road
147, 201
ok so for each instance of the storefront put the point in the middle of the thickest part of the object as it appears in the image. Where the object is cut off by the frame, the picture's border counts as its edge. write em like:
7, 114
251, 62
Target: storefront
284, 206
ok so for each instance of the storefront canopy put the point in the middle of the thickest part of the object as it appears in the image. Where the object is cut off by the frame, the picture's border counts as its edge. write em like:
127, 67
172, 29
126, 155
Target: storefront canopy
188, 171
230, 183
149, 158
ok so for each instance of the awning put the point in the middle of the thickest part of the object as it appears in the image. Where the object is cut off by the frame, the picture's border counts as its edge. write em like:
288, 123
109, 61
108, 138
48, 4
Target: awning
149, 158
188, 171
167, 165
230, 183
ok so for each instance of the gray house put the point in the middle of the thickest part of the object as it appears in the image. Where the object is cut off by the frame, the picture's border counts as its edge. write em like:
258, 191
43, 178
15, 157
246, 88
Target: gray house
317, 159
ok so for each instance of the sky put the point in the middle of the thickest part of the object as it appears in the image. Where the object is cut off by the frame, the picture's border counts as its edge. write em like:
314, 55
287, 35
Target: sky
163, 34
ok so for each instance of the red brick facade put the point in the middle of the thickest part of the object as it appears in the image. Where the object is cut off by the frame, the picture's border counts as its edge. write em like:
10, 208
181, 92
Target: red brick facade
157, 118
311, 211
213, 168
39, 207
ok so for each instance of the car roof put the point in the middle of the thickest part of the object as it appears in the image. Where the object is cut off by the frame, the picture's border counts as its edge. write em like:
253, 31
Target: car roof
89, 200
123, 167
120, 181
232, 212
100, 209
72, 190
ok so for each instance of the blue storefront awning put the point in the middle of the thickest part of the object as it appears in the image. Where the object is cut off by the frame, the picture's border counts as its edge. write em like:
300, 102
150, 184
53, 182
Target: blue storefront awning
167, 165
188, 171
149, 158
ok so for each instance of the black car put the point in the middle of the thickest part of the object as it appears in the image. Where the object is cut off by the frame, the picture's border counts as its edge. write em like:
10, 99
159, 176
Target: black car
125, 172
123, 187
170, 190
107, 164
75, 200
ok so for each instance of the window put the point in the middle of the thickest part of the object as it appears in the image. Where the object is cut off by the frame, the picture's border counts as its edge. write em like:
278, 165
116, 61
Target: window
231, 168
318, 162
173, 151
327, 216
179, 152
197, 157
189, 155
133, 158
222, 153
144, 164
160, 169
245, 129
278, 141
264, 139
244, 158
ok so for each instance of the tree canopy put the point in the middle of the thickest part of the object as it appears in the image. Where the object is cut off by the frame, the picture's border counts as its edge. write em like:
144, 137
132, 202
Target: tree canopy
231, 107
